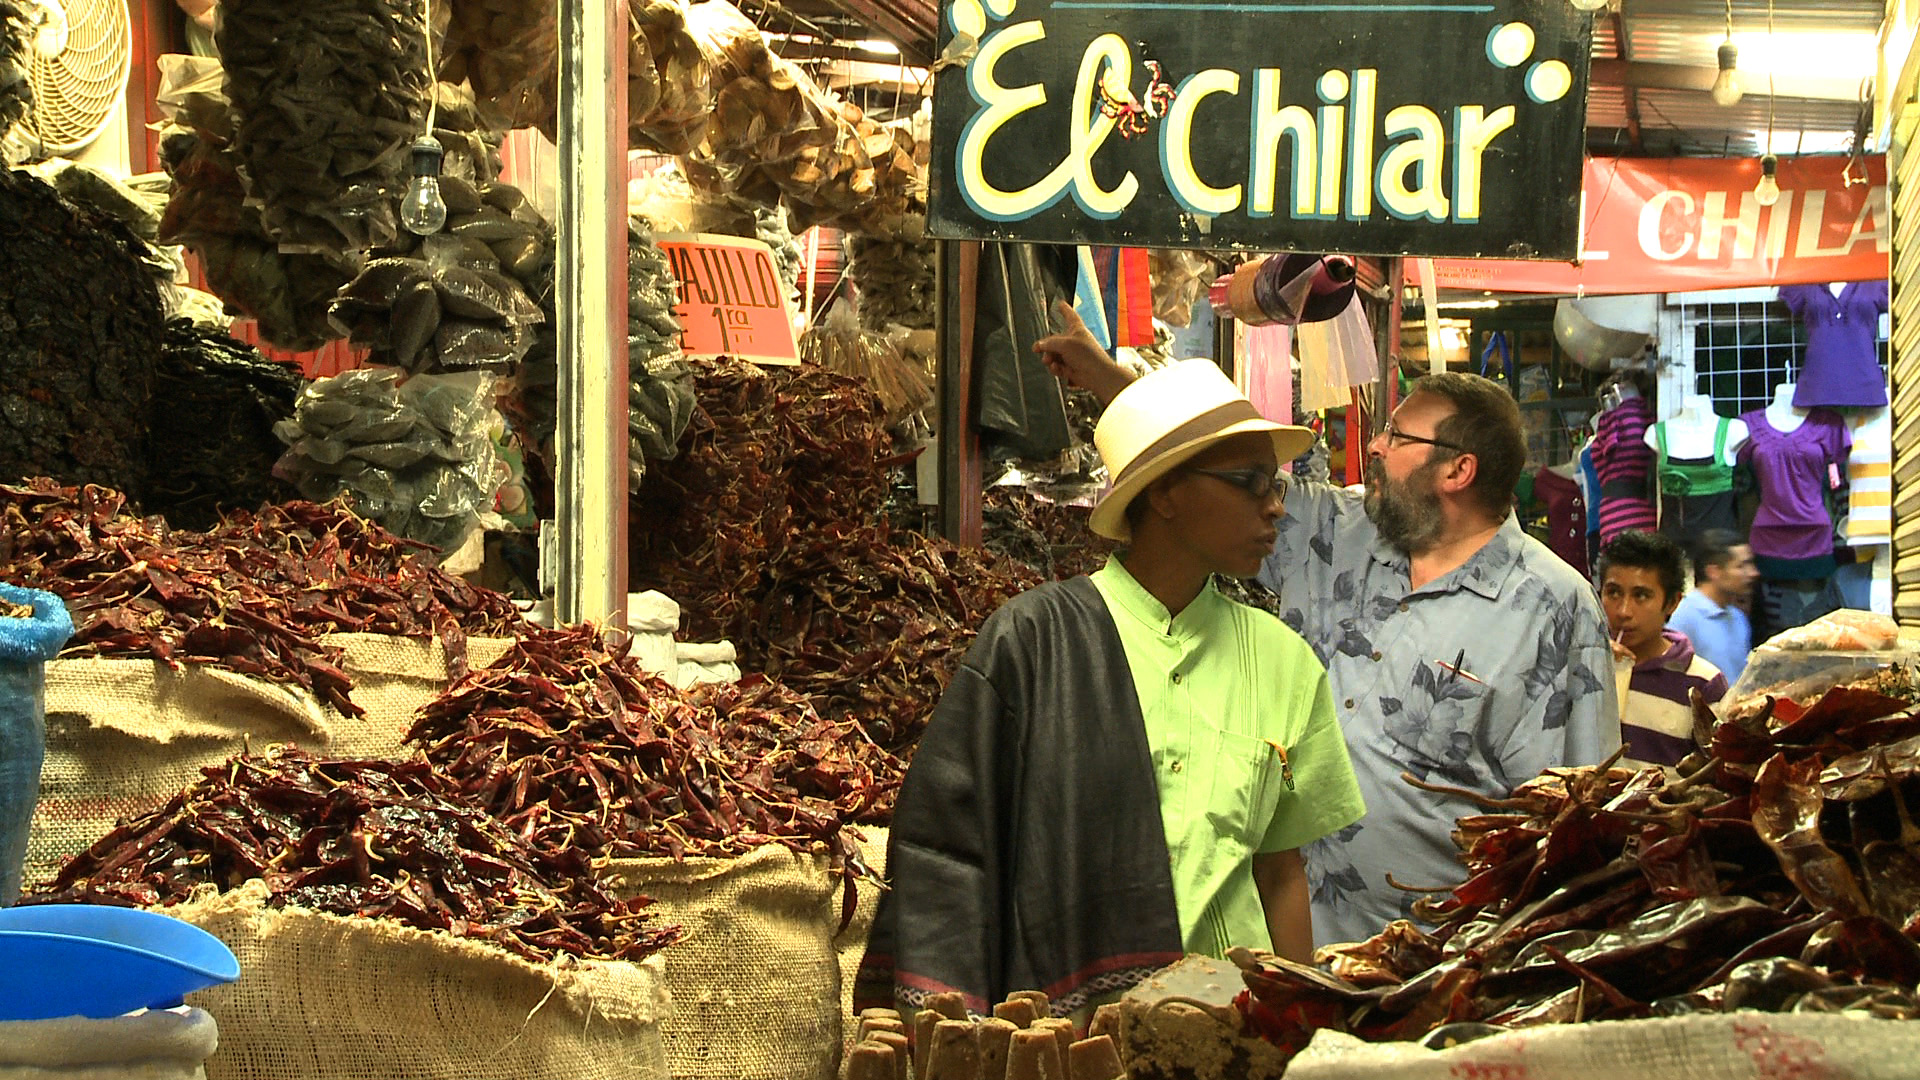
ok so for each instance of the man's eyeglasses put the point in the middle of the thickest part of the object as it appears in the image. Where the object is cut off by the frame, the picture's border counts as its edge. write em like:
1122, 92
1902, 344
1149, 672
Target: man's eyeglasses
1395, 435
1256, 482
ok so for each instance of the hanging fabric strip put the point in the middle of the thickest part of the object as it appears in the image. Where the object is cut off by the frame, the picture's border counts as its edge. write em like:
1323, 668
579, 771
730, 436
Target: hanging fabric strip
1130, 297
1088, 302
1335, 354
1265, 369
1430, 302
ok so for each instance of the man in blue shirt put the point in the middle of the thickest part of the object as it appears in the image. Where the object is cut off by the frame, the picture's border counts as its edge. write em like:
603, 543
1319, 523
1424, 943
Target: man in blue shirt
1711, 615
1459, 649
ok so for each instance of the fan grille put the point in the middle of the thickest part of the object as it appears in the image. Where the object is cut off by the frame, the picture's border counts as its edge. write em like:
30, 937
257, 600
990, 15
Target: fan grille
75, 92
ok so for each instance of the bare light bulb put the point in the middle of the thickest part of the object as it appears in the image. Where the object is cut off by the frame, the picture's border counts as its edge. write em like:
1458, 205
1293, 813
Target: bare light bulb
1767, 191
1588, 5
423, 212
1726, 87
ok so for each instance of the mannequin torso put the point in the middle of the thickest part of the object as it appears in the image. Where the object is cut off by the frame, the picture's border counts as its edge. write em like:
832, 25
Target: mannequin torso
1691, 432
1782, 413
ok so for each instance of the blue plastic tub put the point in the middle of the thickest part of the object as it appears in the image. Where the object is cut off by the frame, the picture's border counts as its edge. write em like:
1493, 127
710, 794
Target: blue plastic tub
100, 962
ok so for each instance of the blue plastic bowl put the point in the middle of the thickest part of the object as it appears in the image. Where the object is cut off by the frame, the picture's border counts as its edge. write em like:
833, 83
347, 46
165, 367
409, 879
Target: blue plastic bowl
100, 962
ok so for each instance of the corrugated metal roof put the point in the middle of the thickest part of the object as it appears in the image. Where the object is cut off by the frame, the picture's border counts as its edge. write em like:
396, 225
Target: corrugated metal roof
1687, 34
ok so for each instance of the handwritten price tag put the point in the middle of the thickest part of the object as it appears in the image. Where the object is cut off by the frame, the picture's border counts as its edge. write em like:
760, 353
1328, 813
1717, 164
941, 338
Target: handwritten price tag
731, 300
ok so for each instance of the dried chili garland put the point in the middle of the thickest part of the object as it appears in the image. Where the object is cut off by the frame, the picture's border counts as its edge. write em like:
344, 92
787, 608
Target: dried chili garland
369, 838
574, 748
253, 595
1780, 871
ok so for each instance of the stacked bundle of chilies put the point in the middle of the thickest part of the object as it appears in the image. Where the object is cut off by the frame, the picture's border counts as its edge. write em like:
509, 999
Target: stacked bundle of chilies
1779, 871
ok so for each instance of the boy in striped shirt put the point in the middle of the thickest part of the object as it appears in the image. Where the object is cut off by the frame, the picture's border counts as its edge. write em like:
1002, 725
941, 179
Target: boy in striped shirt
1642, 576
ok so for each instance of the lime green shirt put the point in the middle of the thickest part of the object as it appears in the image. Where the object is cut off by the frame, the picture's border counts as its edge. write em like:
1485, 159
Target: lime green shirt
1246, 749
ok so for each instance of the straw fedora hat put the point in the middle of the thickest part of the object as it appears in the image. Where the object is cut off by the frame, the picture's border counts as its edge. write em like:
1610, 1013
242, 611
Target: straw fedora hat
1167, 416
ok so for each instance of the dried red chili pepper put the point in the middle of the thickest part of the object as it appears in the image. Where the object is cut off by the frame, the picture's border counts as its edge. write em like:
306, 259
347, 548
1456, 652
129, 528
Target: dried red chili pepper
370, 838
255, 594
568, 741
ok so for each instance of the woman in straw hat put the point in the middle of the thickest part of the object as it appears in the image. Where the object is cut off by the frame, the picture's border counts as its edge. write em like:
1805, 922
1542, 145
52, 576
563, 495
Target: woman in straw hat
1125, 764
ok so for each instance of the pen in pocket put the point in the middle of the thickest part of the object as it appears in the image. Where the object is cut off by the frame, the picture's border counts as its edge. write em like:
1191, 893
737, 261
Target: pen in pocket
1457, 669
1286, 767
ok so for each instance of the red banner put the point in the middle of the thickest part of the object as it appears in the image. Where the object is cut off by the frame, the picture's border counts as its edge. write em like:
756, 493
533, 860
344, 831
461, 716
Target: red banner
1656, 225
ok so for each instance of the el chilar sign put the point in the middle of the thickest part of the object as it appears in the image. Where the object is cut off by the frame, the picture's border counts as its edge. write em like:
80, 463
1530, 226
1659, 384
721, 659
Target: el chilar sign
1440, 128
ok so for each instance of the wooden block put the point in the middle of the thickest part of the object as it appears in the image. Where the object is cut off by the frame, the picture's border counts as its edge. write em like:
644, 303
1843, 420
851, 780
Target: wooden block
1042, 1004
1035, 1055
952, 1005
1063, 1033
902, 1053
923, 1023
871, 1061
871, 1024
996, 1041
1095, 1059
956, 1052
1019, 1012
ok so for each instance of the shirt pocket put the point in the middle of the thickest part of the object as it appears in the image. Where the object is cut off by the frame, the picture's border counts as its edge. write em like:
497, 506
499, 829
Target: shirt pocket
1245, 788
1440, 734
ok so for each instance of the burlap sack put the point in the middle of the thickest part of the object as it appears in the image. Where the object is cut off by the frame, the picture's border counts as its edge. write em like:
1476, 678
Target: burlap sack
756, 984
392, 678
322, 997
124, 736
850, 944
1733, 1046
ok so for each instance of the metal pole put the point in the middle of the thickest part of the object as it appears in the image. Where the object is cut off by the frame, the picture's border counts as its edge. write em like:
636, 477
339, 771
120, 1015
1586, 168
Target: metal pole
590, 302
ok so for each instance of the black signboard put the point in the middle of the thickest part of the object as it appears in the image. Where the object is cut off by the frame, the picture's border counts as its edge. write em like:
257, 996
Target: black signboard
1443, 128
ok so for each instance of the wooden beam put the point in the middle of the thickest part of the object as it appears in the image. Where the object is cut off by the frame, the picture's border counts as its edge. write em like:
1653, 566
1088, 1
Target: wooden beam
957, 283
1639, 75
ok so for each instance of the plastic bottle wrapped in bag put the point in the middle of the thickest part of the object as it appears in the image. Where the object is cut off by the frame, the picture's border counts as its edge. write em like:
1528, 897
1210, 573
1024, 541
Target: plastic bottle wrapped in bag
34, 626
415, 456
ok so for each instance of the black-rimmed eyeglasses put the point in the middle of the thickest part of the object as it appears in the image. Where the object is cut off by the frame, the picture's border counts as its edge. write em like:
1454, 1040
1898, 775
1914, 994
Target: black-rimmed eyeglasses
1395, 435
1256, 482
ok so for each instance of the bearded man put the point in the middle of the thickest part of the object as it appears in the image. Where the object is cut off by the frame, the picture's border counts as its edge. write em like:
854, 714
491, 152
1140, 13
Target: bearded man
1458, 648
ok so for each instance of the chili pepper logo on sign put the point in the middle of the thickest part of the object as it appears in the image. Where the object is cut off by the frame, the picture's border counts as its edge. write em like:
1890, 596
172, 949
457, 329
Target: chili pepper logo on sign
1393, 127
732, 302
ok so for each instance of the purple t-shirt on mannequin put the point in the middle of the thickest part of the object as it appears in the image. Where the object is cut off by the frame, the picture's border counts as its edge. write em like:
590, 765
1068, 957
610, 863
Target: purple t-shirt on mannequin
1842, 366
1792, 468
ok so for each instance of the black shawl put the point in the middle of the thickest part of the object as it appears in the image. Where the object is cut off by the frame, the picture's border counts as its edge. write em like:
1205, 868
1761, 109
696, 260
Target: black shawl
1027, 850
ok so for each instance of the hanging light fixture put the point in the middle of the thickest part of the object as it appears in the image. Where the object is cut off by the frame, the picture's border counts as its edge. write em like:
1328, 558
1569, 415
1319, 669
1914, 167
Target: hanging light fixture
1588, 5
1767, 191
423, 211
1726, 85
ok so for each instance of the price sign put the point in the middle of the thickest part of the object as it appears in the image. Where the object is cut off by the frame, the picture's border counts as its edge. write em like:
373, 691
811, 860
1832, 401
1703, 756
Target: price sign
731, 300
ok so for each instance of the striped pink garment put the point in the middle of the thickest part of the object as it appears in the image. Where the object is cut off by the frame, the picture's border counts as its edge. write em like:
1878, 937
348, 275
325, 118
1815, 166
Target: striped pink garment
1624, 461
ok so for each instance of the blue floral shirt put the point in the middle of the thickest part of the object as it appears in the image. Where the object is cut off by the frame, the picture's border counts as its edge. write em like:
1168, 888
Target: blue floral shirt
1535, 690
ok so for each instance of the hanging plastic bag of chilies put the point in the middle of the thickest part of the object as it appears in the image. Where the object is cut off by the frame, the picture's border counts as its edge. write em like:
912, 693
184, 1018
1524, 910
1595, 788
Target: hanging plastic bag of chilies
33, 627
414, 456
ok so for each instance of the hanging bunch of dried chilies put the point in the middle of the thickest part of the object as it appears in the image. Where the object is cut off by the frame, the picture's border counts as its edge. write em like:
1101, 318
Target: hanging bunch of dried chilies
255, 594
376, 839
1779, 870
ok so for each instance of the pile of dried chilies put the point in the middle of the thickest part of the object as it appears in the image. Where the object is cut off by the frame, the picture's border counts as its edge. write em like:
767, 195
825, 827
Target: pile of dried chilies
1781, 871
253, 595
765, 530
769, 456
369, 838
871, 624
575, 748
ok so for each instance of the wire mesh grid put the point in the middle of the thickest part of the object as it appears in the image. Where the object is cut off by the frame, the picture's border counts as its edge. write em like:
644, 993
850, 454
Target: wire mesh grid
1743, 349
